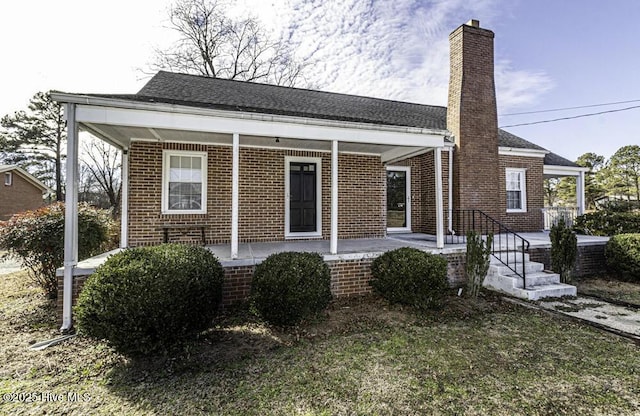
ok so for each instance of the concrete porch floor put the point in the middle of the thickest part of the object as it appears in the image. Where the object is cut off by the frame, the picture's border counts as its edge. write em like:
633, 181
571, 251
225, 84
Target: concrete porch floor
253, 253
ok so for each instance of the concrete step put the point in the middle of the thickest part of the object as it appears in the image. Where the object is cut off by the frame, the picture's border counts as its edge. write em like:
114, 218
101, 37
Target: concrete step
548, 286
529, 267
538, 279
509, 257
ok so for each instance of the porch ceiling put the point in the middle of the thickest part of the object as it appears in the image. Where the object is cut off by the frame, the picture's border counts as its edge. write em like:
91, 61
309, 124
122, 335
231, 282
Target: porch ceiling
122, 136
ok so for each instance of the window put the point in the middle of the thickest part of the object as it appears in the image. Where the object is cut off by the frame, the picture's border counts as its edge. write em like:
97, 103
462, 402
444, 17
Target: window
184, 182
516, 190
8, 179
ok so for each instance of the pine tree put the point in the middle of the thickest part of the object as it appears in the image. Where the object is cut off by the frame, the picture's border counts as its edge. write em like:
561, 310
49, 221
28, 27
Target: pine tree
35, 139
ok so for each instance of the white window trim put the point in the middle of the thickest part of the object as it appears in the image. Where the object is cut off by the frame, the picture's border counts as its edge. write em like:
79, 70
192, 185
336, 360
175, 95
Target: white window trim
523, 188
165, 181
408, 201
8, 179
287, 192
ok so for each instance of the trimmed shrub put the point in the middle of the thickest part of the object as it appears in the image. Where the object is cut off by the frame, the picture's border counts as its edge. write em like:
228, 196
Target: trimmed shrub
147, 300
477, 261
607, 223
36, 238
288, 287
411, 277
564, 250
623, 256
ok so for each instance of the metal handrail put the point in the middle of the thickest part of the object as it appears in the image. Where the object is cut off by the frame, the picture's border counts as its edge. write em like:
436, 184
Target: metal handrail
475, 220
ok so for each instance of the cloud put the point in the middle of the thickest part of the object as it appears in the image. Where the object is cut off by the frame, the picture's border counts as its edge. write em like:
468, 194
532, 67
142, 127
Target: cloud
519, 88
390, 49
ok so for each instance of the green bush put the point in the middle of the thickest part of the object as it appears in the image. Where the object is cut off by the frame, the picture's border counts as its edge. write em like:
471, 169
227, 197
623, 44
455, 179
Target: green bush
288, 287
564, 250
623, 256
607, 223
36, 238
411, 277
477, 261
148, 300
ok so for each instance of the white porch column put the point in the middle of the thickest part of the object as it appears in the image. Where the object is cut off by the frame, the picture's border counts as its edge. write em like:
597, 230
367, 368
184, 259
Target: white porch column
235, 194
124, 200
437, 152
580, 192
70, 216
334, 198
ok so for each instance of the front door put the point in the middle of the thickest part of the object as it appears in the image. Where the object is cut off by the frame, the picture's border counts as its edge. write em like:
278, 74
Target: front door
302, 197
398, 198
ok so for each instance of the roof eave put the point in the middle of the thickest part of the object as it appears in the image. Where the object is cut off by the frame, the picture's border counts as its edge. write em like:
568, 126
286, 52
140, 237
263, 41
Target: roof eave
81, 99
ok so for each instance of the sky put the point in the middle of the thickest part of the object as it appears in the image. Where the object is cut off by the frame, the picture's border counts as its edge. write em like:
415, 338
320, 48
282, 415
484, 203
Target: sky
549, 54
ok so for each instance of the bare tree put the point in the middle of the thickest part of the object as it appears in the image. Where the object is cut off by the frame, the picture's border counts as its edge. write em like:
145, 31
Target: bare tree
214, 45
102, 163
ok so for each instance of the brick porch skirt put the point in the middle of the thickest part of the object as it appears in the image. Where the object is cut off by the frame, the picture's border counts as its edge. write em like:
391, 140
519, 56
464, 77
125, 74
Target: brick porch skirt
350, 277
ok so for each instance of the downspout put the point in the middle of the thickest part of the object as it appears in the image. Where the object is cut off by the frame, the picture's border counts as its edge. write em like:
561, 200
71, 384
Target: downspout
450, 192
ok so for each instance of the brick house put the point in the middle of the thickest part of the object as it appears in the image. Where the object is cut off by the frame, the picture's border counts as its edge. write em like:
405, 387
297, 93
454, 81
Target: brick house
19, 191
227, 162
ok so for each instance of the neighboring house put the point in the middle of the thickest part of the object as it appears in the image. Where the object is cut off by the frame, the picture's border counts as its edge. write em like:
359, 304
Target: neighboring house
227, 162
19, 191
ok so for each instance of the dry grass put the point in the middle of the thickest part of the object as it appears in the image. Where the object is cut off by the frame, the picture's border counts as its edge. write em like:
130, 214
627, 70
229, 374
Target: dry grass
363, 357
606, 288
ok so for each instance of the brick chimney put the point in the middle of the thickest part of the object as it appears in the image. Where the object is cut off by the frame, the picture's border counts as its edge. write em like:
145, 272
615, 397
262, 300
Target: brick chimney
472, 118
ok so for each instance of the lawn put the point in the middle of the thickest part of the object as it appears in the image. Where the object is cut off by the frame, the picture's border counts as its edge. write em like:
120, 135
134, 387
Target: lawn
363, 357
614, 290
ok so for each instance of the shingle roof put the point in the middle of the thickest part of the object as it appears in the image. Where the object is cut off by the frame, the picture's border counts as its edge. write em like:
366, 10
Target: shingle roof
224, 94
227, 94
557, 160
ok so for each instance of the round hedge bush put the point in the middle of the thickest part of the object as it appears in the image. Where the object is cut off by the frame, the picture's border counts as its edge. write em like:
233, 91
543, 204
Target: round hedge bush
288, 287
148, 300
623, 256
411, 277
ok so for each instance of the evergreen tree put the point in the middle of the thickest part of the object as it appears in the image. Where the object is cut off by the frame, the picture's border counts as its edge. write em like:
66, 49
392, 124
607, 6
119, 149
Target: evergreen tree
35, 139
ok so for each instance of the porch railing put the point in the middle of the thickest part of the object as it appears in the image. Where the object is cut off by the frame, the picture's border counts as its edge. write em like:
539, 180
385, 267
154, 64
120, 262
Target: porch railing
552, 215
508, 247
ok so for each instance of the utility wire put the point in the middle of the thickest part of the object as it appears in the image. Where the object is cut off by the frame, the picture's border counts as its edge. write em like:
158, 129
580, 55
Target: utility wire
571, 117
569, 108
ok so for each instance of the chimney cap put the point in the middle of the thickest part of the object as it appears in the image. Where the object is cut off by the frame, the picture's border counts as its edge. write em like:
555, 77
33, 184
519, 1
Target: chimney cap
473, 23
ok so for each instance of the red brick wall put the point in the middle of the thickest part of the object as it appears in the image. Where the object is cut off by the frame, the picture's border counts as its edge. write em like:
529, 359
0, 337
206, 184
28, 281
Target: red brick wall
236, 287
361, 197
532, 219
78, 284
350, 277
20, 196
262, 191
591, 260
423, 189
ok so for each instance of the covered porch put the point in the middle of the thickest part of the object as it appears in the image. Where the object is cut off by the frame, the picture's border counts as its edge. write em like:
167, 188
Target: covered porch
552, 214
128, 123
